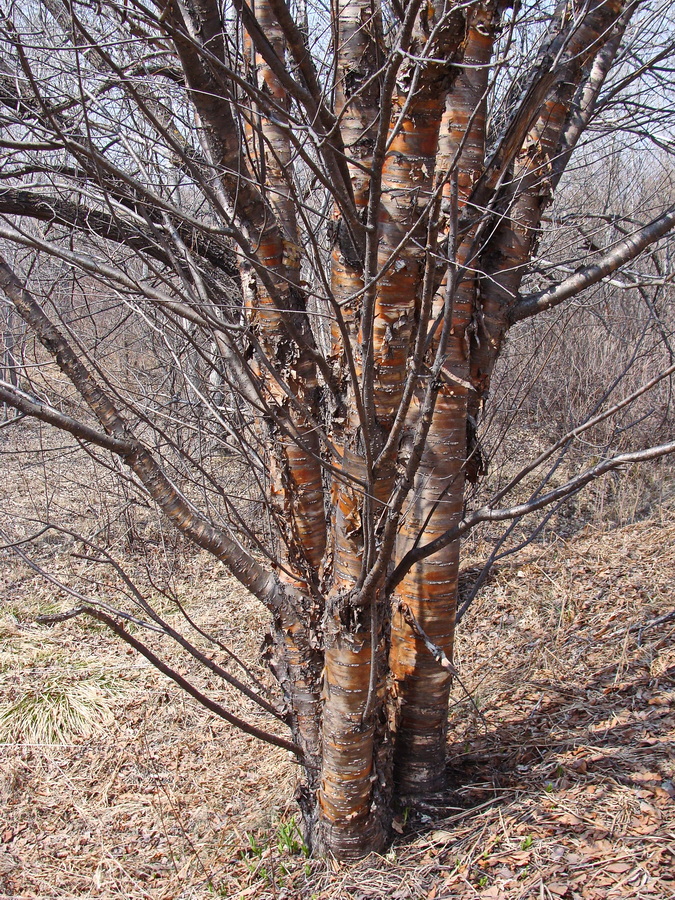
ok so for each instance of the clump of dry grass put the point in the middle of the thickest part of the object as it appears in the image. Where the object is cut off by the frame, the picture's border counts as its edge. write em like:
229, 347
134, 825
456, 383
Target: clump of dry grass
56, 709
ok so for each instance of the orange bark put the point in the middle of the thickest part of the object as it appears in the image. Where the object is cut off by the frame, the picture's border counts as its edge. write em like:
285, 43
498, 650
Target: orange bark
355, 789
429, 590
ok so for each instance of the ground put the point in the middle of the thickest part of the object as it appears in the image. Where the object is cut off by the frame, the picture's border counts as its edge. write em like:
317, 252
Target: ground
113, 784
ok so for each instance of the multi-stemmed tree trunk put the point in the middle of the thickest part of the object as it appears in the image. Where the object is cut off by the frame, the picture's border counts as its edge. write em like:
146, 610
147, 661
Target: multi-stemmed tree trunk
356, 196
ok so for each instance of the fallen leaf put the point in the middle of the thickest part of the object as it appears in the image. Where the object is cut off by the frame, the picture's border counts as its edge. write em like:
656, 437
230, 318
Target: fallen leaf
619, 868
643, 777
493, 893
568, 819
397, 825
646, 829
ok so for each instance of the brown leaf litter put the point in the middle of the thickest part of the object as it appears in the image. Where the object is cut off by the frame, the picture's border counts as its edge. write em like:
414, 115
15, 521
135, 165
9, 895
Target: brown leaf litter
562, 766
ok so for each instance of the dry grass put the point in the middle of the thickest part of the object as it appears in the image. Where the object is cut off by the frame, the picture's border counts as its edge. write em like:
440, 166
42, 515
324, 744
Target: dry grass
562, 781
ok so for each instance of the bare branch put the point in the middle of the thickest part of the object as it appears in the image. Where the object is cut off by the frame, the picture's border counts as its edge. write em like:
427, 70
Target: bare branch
30, 406
488, 514
189, 688
620, 254
175, 507
58, 211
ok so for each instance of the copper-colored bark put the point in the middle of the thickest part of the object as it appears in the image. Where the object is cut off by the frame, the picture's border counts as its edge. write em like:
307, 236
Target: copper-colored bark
346, 807
428, 246
351, 783
407, 182
429, 590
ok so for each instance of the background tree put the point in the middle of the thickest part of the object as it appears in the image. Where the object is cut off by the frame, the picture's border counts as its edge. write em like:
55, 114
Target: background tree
300, 234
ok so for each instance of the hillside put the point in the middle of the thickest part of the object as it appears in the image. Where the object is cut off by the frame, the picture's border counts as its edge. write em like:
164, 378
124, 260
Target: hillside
561, 762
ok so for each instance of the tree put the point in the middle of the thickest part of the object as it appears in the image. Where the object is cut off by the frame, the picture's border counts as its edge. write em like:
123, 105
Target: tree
301, 232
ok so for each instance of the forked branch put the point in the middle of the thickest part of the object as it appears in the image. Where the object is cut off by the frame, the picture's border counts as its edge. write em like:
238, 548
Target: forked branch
587, 276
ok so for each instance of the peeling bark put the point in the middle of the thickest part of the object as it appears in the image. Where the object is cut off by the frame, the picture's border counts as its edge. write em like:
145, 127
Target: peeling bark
416, 253
429, 590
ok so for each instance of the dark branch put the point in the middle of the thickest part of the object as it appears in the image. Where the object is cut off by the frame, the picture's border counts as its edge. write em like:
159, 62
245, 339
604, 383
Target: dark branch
205, 701
114, 228
29, 406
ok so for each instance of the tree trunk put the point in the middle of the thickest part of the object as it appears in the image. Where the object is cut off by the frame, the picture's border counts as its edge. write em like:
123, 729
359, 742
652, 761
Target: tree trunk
429, 590
381, 242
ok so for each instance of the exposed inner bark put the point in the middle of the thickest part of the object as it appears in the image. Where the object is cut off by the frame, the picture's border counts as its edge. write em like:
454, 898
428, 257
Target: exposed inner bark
430, 588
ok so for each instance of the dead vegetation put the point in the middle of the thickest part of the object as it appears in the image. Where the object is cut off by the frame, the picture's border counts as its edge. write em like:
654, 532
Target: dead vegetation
113, 784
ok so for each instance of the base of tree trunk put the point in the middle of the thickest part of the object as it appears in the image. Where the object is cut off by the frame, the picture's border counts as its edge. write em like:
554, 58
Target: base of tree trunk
353, 841
420, 756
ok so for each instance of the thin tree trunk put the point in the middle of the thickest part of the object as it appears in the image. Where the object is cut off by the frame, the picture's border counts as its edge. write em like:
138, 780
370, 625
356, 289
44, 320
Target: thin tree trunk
429, 590
356, 785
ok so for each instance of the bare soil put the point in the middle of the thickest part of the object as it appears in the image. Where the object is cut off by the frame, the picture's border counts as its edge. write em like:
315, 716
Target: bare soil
562, 734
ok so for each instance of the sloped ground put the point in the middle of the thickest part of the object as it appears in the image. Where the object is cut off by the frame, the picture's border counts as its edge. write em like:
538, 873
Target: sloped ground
562, 762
